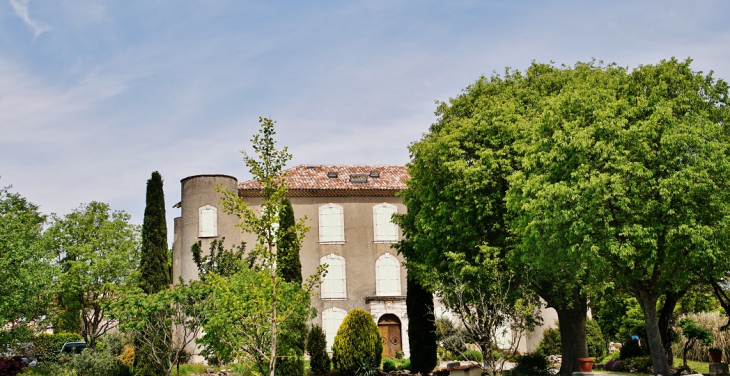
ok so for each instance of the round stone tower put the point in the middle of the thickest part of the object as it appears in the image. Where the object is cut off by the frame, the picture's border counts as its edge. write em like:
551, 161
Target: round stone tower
202, 219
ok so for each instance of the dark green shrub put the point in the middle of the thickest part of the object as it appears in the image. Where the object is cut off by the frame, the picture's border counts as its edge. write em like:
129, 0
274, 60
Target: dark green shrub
596, 344
292, 365
450, 337
94, 363
400, 354
631, 349
365, 367
357, 340
405, 365
550, 342
615, 366
472, 355
639, 364
319, 361
388, 365
48, 346
531, 365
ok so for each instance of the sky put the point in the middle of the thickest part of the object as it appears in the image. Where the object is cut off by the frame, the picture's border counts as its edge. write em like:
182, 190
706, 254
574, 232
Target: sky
96, 95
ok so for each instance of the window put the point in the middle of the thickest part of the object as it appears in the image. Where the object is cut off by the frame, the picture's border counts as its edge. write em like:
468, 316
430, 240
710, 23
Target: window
385, 229
334, 284
387, 275
207, 221
331, 320
331, 224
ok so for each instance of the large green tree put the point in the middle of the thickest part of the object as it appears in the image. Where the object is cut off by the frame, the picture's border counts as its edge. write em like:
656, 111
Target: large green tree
627, 171
153, 268
96, 250
26, 272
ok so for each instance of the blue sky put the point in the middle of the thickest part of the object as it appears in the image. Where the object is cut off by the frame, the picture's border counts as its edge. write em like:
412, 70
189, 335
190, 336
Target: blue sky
95, 95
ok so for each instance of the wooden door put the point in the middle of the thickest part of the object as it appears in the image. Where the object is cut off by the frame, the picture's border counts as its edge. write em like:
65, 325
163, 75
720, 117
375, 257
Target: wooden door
390, 333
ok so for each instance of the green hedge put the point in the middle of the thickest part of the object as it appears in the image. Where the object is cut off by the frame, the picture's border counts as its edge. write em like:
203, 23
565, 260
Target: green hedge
48, 346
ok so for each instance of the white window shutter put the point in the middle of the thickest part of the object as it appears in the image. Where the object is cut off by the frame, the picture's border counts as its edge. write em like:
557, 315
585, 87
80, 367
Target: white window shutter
331, 223
207, 221
334, 284
387, 270
385, 229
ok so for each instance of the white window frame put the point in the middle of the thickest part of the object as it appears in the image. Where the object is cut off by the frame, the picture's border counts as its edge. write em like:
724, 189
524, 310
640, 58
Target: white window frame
385, 232
207, 215
385, 286
332, 289
336, 232
330, 317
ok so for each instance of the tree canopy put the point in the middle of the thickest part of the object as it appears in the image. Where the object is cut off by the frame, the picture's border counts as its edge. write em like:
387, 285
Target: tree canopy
579, 172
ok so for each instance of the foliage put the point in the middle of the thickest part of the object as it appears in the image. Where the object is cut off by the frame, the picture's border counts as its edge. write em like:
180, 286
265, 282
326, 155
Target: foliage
640, 364
532, 365
219, 260
628, 171
472, 355
615, 366
164, 323
406, 364
388, 365
317, 348
631, 349
399, 354
421, 328
153, 267
693, 335
26, 273
154, 275
550, 342
96, 249
238, 327
594, 337
289, 265
11, 366
450, 337
712, 321
277, 308
357, 339
48, 346
366, 367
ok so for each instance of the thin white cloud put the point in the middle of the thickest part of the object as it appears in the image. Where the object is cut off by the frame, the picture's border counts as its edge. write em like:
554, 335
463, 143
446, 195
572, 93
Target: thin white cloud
21, 9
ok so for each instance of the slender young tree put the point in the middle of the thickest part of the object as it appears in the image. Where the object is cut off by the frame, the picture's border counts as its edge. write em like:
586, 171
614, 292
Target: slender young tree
421, 327
154, 271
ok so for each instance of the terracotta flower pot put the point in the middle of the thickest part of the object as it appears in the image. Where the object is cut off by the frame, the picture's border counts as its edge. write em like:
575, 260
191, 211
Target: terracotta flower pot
715, 356
585, 364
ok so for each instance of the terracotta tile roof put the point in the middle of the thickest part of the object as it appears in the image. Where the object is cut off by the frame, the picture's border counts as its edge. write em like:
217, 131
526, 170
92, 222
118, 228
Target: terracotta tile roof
313, 180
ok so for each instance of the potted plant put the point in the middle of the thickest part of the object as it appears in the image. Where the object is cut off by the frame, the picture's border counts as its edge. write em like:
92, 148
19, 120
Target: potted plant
585, 364
715, 355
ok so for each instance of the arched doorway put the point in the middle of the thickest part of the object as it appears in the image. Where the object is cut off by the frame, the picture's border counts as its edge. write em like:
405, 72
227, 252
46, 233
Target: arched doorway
389, 328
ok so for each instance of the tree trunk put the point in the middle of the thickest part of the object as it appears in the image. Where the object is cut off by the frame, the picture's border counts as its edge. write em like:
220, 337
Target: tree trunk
573, 335
647, 301
666, 314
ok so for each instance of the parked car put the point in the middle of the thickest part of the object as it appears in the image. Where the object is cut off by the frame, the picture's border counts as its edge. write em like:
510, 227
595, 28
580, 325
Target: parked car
73, 347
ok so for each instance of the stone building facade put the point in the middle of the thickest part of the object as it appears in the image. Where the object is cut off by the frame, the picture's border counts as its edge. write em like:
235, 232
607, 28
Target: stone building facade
348, 210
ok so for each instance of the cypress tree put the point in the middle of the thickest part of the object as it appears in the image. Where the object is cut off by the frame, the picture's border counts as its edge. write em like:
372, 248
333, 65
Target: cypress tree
317, 349
154, 265
421, 327
289, 267
288, 263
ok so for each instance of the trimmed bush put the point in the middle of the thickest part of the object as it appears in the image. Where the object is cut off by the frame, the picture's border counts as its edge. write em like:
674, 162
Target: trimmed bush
48, 346
639, 364
319, 361
631, 349
550, 343
388, 365
405, 365
615, 366
472, 355
357, 340
532, 365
